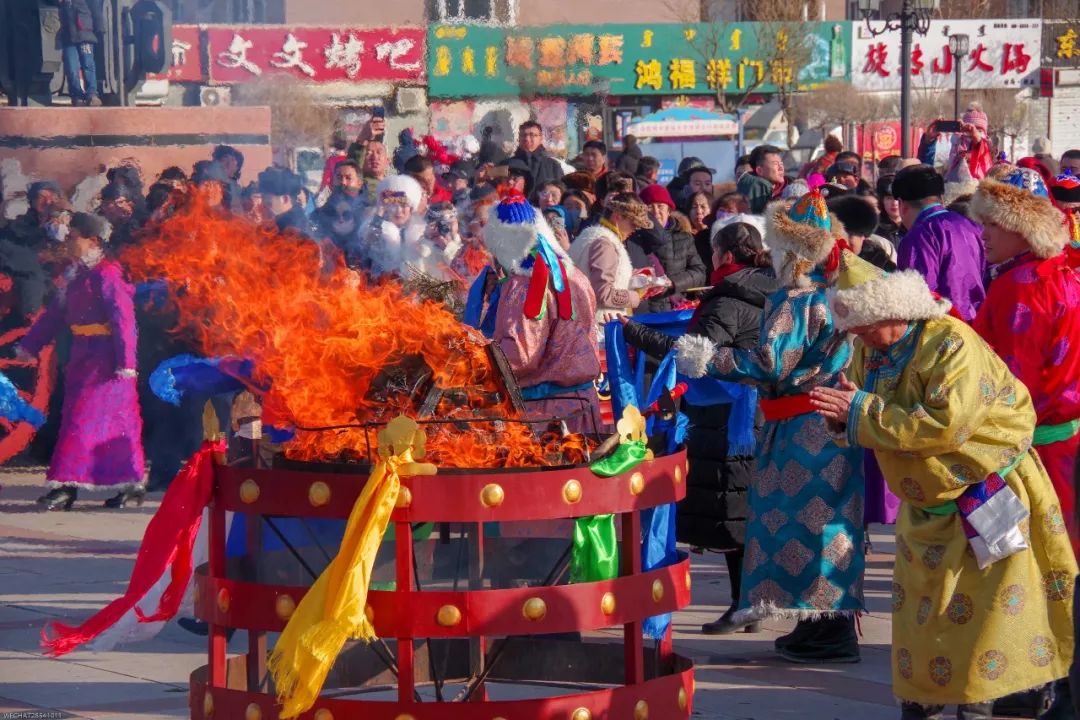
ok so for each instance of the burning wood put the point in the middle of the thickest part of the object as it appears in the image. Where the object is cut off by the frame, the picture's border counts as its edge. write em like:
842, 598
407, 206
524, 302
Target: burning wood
337, 352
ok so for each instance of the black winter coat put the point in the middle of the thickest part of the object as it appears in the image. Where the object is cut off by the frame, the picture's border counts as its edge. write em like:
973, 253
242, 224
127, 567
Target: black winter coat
677, 253
80, 21
542, 166
713, 514
295, 219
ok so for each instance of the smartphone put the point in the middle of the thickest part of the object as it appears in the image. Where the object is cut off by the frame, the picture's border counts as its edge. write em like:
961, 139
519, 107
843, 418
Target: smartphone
948, 126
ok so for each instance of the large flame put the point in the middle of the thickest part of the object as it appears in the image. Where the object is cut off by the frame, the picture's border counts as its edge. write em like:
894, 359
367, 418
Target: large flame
320, 336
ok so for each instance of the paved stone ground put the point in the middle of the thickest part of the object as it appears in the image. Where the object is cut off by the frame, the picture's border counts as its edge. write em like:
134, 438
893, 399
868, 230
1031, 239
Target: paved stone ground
67, 565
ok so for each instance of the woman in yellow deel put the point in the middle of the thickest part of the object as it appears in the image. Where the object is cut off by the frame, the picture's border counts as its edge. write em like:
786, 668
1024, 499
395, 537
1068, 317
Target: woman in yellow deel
984, 571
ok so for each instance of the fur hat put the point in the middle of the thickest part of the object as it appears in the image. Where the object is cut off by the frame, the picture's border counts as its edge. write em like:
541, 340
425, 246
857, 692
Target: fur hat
513, 230
36, 188
1021, 205
864, 294
279, 182
206, 171
630, 206
856, 215
520, 239
401, 189
800, 237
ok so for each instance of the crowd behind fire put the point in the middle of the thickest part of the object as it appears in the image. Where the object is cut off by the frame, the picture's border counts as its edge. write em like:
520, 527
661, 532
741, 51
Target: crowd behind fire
999, 240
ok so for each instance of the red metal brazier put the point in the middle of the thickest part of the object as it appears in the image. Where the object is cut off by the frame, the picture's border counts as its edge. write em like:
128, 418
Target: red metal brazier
475, 640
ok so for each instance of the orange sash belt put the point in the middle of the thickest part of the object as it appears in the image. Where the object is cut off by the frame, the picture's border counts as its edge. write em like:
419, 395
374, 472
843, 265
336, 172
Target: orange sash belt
91, 330
785, 407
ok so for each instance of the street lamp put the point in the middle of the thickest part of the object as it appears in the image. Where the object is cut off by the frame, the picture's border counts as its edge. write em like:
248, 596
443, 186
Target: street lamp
958, 48
914, 17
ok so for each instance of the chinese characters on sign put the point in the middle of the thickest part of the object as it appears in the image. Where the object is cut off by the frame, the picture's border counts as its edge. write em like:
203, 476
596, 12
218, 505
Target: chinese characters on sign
185, 55
622, 59
1003, 53
239, 54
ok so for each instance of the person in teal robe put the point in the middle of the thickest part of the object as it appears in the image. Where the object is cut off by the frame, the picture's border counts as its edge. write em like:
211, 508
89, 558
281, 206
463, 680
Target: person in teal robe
804, 535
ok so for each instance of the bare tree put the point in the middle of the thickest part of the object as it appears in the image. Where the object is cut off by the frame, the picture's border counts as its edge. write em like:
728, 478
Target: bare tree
784, 39
828, 106
960, 9
929, 104
783, 48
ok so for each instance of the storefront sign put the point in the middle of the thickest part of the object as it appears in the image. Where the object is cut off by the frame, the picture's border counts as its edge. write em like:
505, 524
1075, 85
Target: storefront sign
474, 61
186, 63
1061, 43
1003, 54
243, 53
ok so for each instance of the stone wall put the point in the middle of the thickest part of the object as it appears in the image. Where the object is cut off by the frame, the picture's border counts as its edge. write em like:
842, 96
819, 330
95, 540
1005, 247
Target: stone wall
70, 144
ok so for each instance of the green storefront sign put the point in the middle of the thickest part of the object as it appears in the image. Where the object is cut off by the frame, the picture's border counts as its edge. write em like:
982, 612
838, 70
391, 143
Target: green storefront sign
478, 61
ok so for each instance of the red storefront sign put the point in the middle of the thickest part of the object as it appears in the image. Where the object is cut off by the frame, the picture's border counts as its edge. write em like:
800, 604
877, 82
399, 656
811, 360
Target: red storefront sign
186, 54
243, 53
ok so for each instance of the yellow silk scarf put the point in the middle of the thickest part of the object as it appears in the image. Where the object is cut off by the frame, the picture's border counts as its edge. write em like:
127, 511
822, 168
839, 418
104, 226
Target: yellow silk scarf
332, 611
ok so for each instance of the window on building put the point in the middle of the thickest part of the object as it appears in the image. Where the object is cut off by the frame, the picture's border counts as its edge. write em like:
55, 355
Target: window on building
473, 11
1018, 8
226, 11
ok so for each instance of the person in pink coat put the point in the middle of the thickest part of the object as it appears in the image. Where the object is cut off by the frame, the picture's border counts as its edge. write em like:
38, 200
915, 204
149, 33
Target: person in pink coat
544, 322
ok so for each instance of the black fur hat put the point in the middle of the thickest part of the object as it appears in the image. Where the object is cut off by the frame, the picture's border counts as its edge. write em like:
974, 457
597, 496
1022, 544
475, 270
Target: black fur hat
856, 214
279, 181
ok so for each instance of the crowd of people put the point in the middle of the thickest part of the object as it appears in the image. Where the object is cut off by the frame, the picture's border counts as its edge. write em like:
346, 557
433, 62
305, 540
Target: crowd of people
912, 338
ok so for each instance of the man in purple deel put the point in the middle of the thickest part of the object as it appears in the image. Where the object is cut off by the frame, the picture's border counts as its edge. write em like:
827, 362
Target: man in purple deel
945, 247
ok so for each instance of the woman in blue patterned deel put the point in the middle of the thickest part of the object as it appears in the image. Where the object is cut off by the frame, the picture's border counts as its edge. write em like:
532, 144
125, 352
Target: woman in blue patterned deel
804, 534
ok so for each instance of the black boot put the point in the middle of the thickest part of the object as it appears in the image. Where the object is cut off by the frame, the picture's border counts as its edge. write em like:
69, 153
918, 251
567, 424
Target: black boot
200, 627
121, 499
915, 711
975, 711
725, 626
834, 641
803, 629
61, 498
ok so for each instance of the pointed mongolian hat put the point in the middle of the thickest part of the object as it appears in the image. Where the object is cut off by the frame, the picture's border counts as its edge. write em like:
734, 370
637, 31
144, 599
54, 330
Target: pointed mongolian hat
1020, 203
864, 294
523, 243
801, 236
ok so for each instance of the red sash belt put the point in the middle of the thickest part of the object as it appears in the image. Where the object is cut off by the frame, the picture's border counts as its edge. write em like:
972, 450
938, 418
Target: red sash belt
787, 406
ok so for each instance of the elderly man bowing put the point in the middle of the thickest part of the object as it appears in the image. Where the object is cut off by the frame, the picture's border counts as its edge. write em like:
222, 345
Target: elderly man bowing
984, 569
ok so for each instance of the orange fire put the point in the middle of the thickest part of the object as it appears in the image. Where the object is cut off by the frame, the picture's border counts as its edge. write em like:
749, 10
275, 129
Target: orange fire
320, 336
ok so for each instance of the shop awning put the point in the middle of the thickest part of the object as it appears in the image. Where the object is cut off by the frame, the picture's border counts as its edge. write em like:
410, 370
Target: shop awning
683, 122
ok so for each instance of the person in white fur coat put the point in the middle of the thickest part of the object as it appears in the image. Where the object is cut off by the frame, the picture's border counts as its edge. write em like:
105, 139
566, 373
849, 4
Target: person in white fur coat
394, 225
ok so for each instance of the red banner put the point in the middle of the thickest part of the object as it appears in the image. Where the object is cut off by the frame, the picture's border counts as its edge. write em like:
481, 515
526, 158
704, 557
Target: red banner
186, 54
244, 53
879, 140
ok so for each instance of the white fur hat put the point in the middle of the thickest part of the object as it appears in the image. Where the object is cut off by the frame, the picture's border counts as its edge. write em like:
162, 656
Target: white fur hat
512, 232
400, 188
864, 294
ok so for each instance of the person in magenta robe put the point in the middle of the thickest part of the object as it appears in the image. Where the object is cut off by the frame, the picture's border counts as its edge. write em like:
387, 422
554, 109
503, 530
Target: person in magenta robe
100, 442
